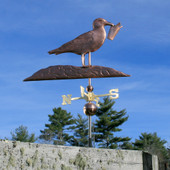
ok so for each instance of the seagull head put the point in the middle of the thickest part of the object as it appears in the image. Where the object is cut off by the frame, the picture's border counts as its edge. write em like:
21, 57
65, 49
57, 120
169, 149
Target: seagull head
100, 22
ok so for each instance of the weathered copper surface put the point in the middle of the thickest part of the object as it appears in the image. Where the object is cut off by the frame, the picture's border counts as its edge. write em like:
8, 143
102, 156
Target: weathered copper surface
113, 31
90, 109
87, 42
74, 72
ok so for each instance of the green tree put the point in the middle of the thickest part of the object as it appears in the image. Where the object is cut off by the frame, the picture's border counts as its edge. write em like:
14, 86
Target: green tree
153, 144
168, 160
21, 134
107, 124
127, 145
168, 149
56, 131
80, 137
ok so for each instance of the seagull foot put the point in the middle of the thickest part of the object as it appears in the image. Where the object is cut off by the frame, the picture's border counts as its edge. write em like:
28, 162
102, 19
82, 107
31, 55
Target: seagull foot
86, 66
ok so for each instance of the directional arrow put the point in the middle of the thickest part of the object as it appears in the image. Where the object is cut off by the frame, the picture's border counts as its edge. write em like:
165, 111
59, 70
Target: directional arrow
90, 96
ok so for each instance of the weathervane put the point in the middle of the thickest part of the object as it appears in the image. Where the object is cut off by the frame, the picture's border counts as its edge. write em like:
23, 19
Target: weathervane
83, 44
90, 96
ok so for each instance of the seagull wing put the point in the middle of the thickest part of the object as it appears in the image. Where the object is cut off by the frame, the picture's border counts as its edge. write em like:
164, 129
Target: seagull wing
79, 45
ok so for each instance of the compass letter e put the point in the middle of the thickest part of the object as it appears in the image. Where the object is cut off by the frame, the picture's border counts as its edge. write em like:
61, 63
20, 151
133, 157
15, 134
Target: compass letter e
66, 99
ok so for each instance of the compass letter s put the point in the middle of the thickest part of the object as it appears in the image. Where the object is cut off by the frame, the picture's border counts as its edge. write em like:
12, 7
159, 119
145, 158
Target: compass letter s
114, 93
66, 99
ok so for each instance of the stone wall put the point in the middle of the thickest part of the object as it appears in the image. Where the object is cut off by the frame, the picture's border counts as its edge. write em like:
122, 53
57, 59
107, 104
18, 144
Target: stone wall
28, 156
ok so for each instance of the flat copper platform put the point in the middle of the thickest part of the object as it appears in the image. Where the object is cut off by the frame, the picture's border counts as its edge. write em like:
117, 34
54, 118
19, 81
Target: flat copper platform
73, 72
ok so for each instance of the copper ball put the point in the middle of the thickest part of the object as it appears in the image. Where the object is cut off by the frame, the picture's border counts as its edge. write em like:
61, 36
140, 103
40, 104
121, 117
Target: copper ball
90, 109
89, 88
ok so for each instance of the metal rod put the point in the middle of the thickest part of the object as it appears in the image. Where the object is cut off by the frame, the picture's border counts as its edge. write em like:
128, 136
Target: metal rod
90, 136
89, 81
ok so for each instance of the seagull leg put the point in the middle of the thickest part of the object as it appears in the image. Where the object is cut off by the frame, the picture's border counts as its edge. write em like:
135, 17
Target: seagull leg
83, 59
89, 59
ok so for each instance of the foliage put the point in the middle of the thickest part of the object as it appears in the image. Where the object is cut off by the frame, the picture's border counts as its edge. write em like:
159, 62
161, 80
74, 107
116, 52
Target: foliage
60, 122
168, 160
107, 124
127, 145
153, 144
168, 149
21, 134
80, 136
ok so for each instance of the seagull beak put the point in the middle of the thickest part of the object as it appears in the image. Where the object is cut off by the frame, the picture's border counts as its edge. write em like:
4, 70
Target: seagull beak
109, 23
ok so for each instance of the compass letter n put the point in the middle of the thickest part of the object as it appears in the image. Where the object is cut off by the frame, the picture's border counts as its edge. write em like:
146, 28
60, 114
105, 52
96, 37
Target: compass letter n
66, 99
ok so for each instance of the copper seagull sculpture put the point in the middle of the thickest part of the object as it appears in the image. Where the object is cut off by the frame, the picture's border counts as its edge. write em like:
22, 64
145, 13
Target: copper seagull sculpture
87, 42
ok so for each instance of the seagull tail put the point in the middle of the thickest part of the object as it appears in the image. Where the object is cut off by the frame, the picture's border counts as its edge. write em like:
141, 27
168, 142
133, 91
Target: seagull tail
55, 51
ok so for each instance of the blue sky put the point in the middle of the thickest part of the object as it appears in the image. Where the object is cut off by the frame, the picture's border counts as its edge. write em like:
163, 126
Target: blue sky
28, 29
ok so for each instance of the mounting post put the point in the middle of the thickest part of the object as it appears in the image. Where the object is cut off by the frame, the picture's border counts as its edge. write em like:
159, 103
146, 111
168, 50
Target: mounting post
90, 135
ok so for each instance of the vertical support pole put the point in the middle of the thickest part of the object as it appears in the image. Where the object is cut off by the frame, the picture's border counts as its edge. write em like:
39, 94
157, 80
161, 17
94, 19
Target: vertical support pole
89, 66
90, 136
89, 81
